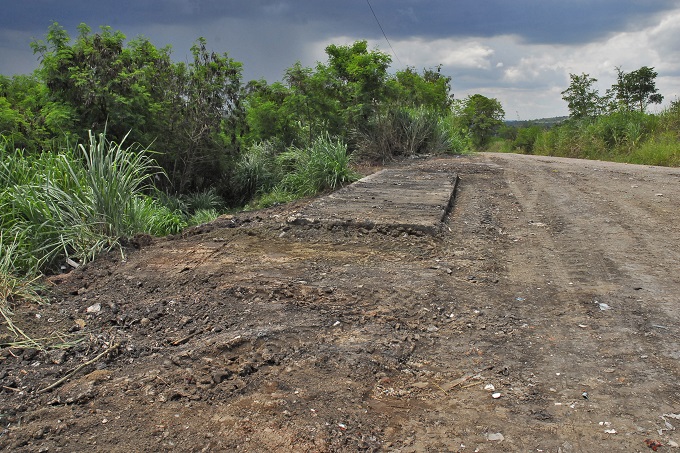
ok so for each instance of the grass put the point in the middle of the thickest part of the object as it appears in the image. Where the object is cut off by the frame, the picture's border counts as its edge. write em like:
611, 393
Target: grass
299, 172
14, 288
78, 203
631, 137
408, 131
257, 172
72, 205
323, 166
202, 216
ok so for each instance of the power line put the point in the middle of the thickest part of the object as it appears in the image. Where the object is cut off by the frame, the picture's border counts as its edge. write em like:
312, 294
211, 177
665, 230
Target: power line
383, 32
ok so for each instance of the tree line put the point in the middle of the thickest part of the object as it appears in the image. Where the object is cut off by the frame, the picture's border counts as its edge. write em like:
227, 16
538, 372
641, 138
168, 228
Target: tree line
610, 126
633, 91
202, 119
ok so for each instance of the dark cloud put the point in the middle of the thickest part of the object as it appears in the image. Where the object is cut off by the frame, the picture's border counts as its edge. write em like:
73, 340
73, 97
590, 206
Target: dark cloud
483, 44
547, 21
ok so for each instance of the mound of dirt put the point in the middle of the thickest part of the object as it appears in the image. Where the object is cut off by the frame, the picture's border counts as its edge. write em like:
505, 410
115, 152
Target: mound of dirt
539, 315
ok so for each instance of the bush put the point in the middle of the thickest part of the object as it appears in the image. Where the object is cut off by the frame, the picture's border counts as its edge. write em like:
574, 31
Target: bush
256, 172
407, 132
76, 204
325, 165
526, 138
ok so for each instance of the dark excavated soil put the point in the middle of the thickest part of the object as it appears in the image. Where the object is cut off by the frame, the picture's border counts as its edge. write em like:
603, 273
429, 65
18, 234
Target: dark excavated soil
553, 280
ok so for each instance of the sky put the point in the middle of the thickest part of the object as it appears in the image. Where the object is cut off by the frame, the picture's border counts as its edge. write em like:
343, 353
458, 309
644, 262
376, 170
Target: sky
520, 52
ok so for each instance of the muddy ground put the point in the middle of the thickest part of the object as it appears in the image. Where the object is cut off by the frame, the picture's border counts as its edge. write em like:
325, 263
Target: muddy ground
542, 316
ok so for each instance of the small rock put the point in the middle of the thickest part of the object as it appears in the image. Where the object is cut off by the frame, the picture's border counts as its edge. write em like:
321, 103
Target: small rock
489, 387
495, 437
495, 395
144, 322
603, 306
220, 376
58, 356
95, 308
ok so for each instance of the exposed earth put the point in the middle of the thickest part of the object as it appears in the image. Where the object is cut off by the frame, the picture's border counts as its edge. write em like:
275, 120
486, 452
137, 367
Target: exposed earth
540, 315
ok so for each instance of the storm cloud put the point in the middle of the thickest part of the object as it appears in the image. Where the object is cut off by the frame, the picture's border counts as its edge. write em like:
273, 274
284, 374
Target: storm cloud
521, 52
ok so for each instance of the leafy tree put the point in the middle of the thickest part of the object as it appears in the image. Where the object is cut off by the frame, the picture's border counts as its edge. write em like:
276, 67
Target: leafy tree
431, 89
207, 119
360, 79
333, 98
317, 100
28, 118
481, 116
526, 138
636, 90
191, 112
267, 115
583, 100
100, 79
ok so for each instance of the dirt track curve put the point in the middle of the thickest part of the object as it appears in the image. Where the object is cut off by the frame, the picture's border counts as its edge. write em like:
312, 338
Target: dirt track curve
542, 315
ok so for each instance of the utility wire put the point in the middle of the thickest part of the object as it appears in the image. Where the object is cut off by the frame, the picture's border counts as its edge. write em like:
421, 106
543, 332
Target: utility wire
383, 32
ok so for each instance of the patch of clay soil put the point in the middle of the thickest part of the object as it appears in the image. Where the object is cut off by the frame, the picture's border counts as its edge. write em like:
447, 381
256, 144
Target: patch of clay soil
542, 317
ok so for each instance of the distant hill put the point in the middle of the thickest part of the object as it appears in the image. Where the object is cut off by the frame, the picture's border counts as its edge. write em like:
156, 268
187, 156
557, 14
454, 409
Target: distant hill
545, 122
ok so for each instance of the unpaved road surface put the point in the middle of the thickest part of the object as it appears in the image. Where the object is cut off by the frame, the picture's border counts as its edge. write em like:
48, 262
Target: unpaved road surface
555, 281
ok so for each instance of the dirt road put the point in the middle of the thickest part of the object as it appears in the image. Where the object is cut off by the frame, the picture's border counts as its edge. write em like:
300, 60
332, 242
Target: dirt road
543, 316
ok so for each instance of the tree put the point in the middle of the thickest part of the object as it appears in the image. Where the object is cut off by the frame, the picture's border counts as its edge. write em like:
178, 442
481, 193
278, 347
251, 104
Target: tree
29, 119
336, 97
636, 90
431, 89
267, 115
207, 121
192, 113
101, 79
361, 75
482, 117
583, 100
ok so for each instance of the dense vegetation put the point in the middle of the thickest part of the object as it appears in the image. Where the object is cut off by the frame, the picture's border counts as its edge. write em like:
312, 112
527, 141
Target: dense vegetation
110, 138
614, 126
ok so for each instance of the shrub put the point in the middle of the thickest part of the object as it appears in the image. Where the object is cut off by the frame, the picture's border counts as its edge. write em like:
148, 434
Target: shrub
202, 216
76, 204
405, 131
526, 138
256, 171
324, 165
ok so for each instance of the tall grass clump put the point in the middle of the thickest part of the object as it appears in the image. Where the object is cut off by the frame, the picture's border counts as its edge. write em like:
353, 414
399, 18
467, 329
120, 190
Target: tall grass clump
202, 216
257, 172
78, 203
405, 131
322, 166
299, 172
204, 200
613, 136
115, 176
13, 287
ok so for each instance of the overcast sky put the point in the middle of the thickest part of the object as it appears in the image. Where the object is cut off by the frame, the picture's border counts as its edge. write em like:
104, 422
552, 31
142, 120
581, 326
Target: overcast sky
518, 51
